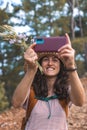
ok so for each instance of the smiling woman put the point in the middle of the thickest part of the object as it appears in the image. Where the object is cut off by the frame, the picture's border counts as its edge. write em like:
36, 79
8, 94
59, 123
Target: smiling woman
50, 65
46, 96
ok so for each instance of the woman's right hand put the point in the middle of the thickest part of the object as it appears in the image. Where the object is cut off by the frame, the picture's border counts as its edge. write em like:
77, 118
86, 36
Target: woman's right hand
31, 57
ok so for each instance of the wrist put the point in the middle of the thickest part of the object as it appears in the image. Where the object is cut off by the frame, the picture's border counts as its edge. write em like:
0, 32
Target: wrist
70, 69
31, 72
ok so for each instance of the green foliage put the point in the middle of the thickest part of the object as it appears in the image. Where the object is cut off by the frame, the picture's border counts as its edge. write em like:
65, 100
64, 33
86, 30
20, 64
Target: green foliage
12, 67
78, 45
45, 18
42, 16
80, 67
3, 17
83, 16
3, 14
3, 98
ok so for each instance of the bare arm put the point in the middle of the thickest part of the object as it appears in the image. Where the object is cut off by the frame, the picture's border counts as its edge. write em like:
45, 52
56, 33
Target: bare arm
23, 87
77, 94
67, 55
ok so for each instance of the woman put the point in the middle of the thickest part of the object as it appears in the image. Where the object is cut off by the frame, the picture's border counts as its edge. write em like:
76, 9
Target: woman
59, 82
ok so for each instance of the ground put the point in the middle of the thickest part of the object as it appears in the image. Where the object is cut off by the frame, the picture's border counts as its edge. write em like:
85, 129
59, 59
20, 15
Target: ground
11, 119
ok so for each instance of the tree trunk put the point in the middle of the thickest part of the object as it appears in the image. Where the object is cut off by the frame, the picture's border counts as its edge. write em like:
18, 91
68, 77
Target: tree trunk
85, 51
72, 4
80, 19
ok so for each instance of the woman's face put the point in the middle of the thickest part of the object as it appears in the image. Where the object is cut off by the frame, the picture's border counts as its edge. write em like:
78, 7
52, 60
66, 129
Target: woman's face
51, 65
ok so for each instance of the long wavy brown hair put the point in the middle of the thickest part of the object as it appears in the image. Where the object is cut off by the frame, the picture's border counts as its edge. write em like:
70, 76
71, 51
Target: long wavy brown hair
60, 85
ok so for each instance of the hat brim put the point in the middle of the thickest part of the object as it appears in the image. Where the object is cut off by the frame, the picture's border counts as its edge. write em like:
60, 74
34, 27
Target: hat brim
43, 54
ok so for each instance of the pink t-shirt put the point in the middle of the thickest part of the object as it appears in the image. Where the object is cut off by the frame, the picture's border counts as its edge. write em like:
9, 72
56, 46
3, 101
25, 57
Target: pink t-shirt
39, 116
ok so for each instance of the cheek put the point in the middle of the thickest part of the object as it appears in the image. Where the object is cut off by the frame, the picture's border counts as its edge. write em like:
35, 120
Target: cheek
44, 67
43, 64
58, 68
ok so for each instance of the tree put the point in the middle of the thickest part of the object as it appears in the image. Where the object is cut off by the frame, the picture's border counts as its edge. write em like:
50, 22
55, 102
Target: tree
11, 60
79, 19
42, 16
71, 4
83, 9
45, 18
3, 98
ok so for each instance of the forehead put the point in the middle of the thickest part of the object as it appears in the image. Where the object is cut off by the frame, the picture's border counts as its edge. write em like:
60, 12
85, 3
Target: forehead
50, 56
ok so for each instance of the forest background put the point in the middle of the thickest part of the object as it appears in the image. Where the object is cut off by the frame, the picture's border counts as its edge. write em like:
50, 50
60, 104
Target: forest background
39, 18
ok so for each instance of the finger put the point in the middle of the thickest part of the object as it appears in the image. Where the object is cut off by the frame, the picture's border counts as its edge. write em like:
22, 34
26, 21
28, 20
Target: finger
65, 55
26, 57
32, 45
30, 56
68, 39
67, 46
30, 50
65, 52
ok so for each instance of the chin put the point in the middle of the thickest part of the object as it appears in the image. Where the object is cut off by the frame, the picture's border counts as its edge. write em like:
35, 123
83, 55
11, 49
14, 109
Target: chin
50, 75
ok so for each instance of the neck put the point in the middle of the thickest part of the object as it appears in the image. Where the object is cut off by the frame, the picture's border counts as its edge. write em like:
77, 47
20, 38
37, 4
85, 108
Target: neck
50, 84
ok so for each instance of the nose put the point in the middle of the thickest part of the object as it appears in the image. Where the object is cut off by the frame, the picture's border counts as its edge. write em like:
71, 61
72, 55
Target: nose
50, 61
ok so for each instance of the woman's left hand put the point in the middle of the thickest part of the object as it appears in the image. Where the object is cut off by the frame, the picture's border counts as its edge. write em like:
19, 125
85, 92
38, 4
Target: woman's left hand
67, 54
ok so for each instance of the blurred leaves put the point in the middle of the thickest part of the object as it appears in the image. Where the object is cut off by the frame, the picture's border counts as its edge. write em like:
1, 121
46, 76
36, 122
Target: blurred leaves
3, 98
44, 18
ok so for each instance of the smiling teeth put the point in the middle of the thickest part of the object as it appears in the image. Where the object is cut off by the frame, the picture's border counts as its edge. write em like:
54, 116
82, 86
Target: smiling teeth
50, 69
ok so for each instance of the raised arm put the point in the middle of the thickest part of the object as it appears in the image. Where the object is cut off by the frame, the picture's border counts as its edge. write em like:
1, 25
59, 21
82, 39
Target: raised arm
67, 55
23, 87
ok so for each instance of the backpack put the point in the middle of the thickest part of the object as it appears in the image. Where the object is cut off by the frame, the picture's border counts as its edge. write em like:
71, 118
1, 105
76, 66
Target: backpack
31, 103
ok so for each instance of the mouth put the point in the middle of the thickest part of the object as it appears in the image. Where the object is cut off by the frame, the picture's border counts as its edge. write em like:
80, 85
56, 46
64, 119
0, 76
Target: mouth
50, 68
